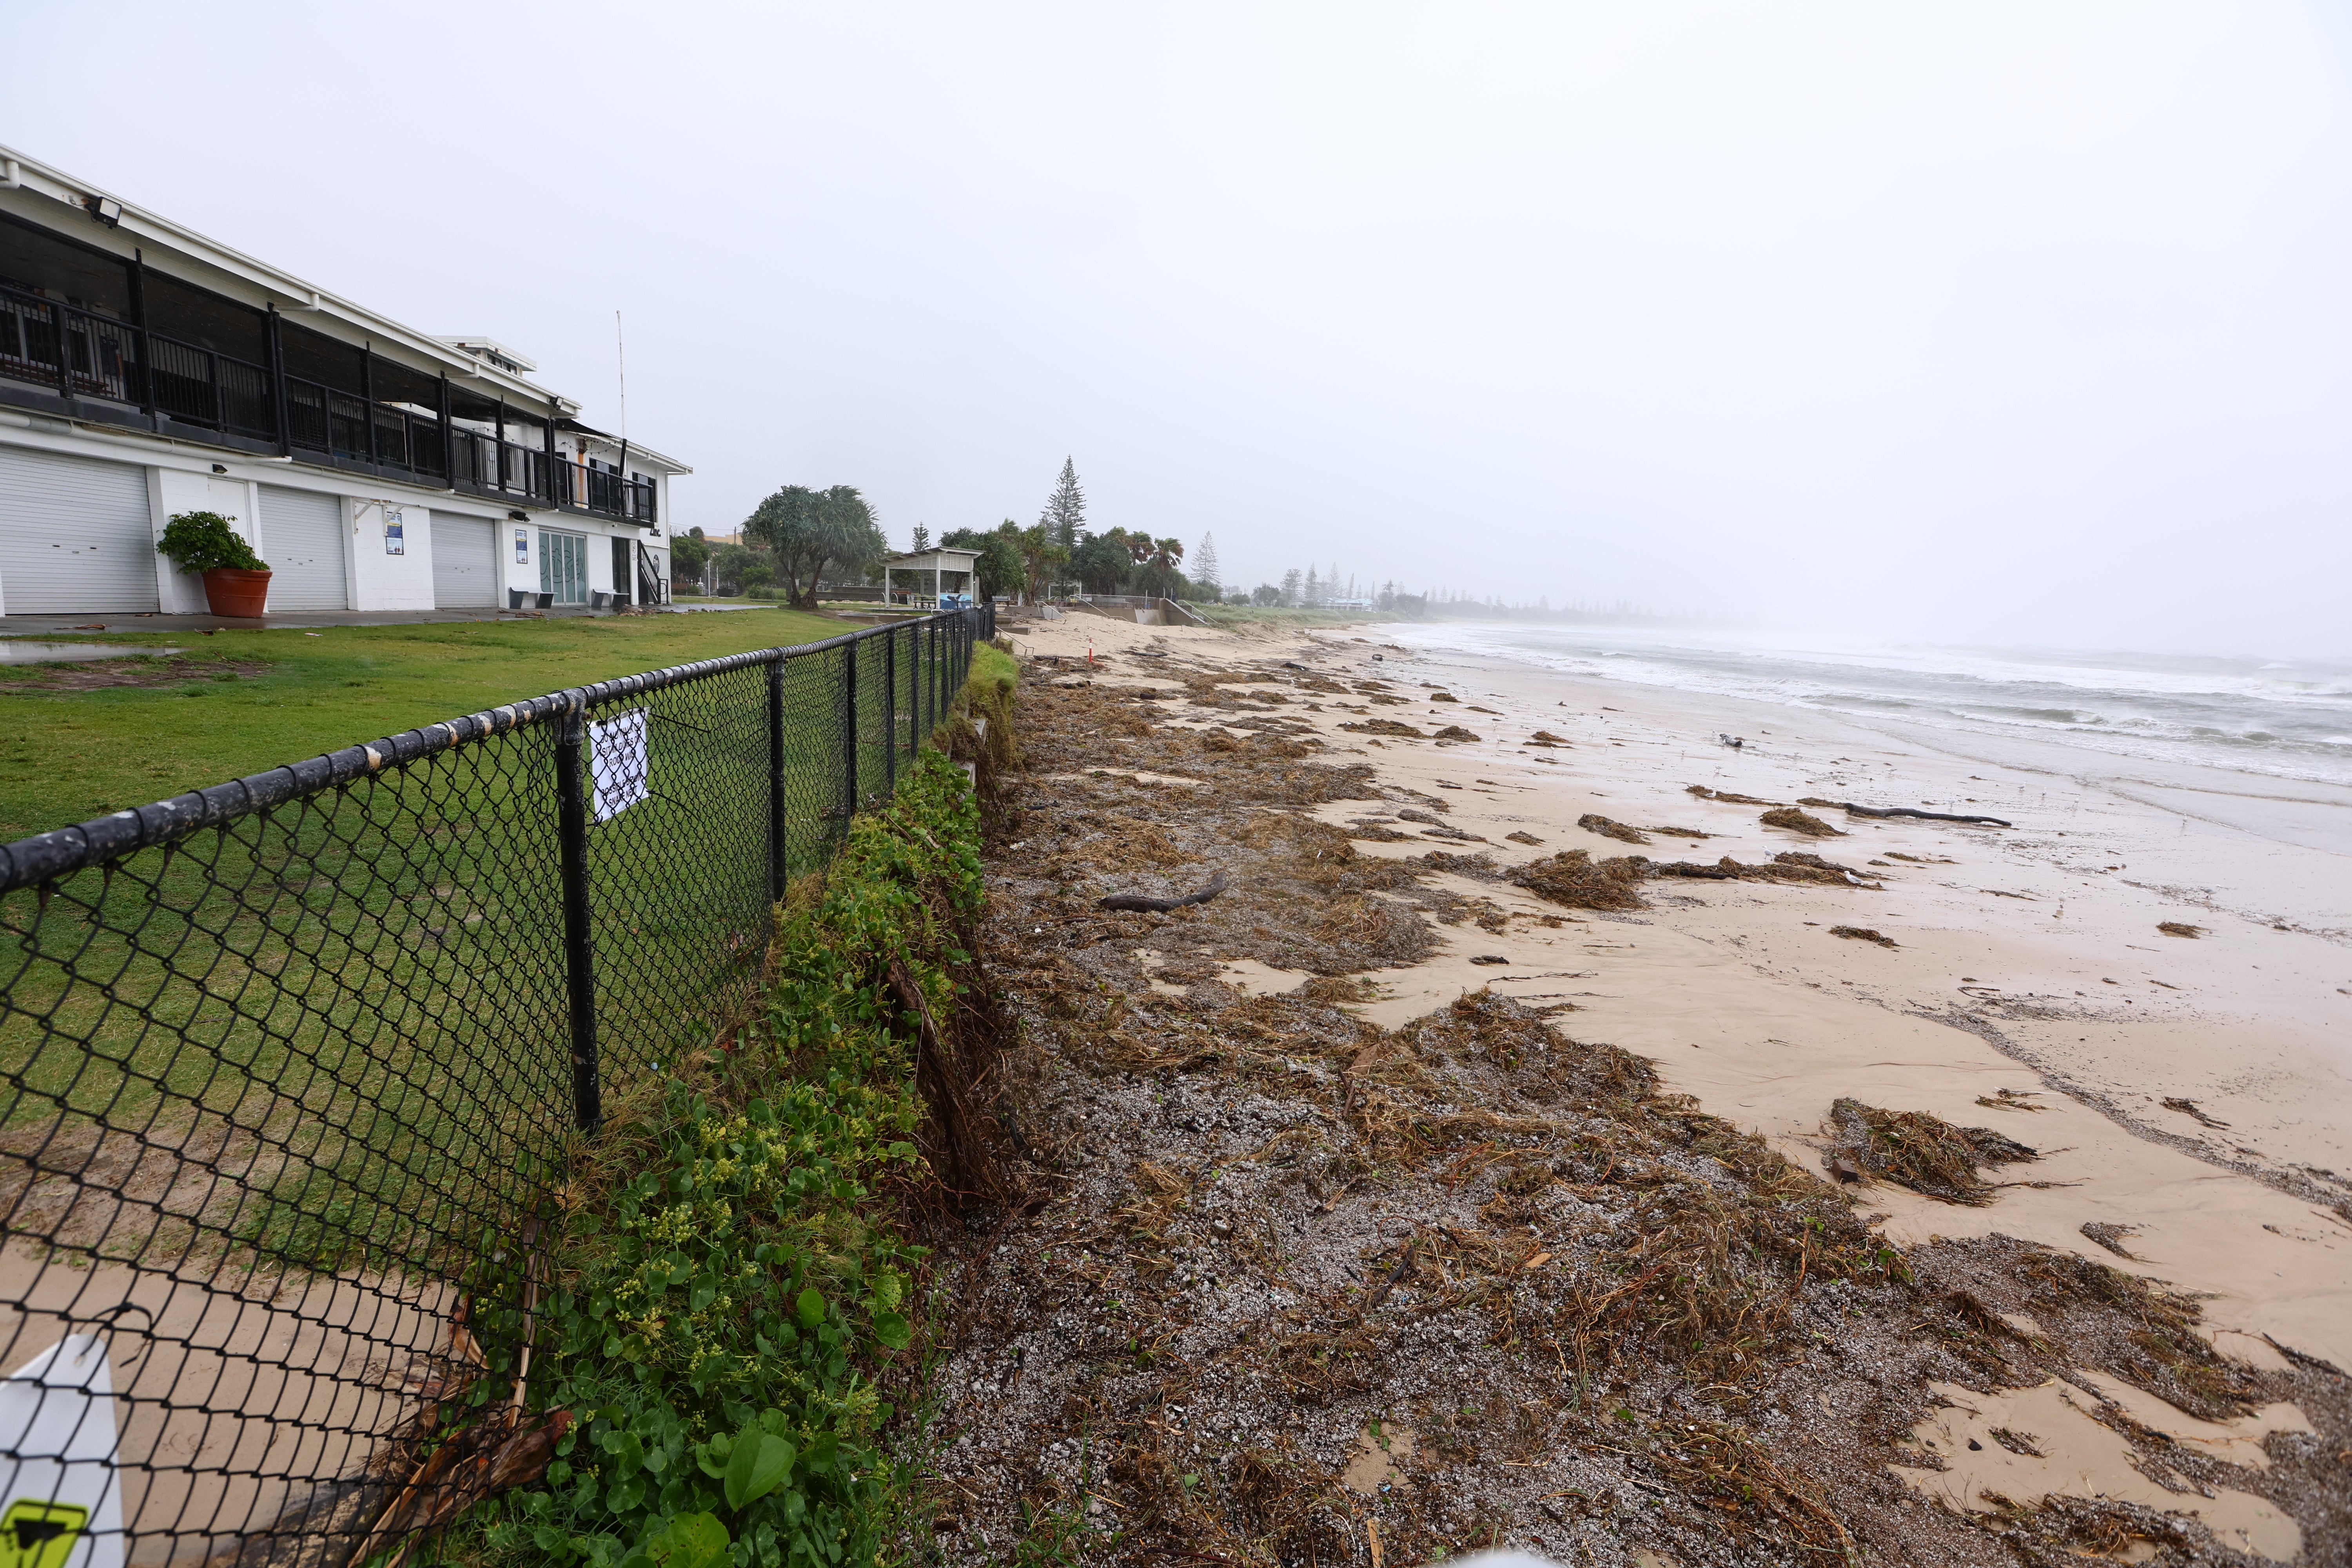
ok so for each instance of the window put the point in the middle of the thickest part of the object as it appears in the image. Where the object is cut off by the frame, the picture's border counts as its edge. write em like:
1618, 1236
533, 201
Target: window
563, 567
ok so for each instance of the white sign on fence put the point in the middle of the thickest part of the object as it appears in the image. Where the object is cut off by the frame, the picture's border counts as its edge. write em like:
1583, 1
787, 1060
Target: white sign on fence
59, 1504
618, 759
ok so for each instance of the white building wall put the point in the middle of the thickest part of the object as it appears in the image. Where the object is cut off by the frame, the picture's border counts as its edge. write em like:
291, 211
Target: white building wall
381, 580
518, 551
175, 487
600, 561
180, 480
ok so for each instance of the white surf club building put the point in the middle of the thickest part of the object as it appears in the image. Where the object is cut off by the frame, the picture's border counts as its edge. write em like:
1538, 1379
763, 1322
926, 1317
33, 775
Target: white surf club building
147, 371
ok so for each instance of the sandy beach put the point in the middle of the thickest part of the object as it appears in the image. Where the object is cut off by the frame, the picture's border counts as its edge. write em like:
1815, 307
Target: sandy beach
2028, 959
2188, 1096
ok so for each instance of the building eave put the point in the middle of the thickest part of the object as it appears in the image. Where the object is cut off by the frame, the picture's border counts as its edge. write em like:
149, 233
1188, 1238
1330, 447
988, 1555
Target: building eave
638, 449
298, 294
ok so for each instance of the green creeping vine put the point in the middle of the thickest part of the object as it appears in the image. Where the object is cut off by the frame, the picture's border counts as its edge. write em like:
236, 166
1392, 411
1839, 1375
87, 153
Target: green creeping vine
724, 1308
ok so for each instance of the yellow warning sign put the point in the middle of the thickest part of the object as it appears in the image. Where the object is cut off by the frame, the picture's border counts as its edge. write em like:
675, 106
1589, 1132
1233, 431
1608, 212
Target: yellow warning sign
39, 1534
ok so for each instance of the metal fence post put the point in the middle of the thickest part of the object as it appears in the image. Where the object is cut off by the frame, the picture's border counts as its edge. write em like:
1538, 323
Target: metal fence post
890, 711
850, 732
64, 351
779, 854
578, 970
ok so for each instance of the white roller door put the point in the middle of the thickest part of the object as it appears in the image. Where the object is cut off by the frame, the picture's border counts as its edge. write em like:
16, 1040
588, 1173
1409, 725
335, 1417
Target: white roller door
464, 562
75, 536
303, 539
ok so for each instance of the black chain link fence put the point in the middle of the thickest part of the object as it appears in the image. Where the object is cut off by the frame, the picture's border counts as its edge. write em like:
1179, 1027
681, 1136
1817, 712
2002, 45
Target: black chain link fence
289, 1066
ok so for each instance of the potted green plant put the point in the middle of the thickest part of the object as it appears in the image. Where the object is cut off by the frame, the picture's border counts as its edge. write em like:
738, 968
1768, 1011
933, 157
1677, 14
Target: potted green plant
236, 581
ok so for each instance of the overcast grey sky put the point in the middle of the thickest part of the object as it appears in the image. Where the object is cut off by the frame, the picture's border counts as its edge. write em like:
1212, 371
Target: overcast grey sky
1972, 320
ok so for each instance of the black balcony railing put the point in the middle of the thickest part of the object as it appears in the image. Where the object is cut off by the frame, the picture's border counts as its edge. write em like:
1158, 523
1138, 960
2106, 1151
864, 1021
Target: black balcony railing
80, 357
482, 462
75, 354
200, 386
605, 491
388, 435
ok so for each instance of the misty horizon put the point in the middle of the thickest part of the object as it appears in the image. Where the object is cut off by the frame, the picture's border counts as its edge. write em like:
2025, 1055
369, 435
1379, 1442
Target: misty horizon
2009, 326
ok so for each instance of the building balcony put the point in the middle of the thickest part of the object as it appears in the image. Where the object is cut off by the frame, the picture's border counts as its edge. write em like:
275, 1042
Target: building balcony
384, 420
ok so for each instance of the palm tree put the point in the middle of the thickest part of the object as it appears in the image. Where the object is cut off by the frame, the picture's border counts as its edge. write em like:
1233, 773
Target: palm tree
1167, 555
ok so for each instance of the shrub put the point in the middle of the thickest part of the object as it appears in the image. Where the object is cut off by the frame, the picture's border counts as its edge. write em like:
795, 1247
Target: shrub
723, 1315
203, 541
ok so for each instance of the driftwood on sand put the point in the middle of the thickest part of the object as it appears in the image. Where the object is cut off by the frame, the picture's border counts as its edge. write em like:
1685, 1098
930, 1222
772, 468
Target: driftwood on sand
1886, 811
1161, 906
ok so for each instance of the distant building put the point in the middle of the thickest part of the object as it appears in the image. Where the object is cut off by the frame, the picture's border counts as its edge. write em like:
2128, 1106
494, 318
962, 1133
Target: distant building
923, 578
146, 371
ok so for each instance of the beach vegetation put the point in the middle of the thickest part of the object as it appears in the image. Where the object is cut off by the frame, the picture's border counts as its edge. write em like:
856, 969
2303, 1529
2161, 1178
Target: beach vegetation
737, 1289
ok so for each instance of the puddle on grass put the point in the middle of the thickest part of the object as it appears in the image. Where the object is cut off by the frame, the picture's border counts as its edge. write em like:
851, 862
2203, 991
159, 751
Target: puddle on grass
18, 650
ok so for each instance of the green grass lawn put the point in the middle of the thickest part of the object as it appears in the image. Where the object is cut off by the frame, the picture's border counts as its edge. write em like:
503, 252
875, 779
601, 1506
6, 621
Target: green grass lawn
240, 701
364, 990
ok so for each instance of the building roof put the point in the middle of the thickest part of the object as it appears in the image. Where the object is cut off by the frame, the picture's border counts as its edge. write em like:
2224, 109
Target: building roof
930, 560
637, 449
491, 349
20, 173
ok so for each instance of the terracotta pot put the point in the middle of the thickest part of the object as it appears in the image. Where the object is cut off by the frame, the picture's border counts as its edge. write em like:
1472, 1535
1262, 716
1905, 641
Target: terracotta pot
230, 592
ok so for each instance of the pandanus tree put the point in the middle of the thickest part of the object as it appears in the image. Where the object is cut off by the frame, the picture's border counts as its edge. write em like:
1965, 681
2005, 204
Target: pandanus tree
811, 531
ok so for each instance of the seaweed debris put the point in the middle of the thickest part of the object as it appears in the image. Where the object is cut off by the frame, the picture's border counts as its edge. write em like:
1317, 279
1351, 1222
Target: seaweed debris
1385, 727
1863, 934
1573, 879
1590, 1314
1593, 821
2110, 1236
1726, 796
1924, 1152
1803, 822
1143, 904
2160, 1349
1793, 866
1453, 733
2188, 1108
2179, 928
1545, 738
